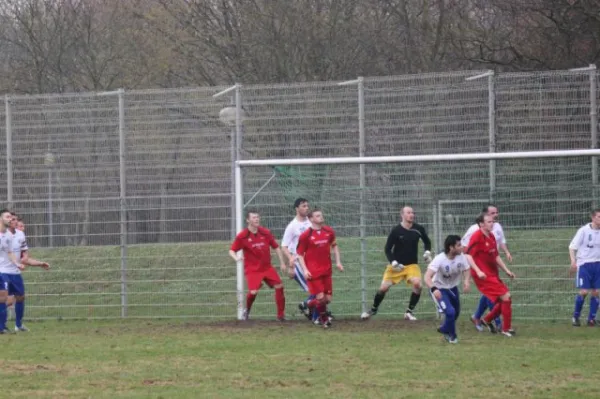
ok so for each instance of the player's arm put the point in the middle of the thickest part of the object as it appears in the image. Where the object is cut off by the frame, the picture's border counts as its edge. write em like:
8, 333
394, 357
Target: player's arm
427, 243
466, 280
235, 247
573, 247
300, 251
336, 253
26, 260
502, 266
503, 245
13, 259
288, 236
389, 246
282, 264
303, 265
474, 266
429, 273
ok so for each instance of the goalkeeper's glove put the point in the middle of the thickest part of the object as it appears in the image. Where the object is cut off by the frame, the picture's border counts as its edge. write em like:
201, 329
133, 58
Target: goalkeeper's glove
397, 266
427, 256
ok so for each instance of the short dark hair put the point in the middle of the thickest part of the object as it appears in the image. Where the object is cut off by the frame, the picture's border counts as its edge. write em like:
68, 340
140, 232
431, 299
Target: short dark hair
479, 218
299, 201
3, 211
314, 210
249, 211
450, 241
487, 207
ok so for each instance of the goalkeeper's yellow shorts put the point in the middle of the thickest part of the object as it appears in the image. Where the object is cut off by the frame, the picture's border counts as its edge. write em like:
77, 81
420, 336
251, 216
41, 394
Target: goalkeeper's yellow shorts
409, 272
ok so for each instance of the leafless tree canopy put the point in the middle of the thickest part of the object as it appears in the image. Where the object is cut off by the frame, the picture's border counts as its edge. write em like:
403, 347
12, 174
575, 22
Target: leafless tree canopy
76, 45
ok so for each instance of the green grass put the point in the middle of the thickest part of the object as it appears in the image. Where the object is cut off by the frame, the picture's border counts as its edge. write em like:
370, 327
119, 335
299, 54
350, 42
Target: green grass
198, 281
374, 359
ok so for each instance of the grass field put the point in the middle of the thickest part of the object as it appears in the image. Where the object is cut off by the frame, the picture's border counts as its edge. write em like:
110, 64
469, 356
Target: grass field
197, 281
260, 359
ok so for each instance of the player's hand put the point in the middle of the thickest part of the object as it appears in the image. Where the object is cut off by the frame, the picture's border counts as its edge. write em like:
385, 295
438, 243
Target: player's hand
427, 256
283, 267
340, 267
397, 266
45, 265
20, 266
307, 275
509, 257
466, 287
291, 272
510, 274
437, 294
573, 268
481, 275
292, 260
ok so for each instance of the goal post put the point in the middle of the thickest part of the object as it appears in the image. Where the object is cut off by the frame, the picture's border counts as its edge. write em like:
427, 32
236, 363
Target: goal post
543, 195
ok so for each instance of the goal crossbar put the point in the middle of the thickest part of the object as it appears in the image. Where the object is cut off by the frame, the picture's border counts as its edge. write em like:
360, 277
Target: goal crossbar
482, 156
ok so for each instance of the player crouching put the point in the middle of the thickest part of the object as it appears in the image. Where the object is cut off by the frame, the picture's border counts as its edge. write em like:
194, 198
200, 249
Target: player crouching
314, 255
442, 277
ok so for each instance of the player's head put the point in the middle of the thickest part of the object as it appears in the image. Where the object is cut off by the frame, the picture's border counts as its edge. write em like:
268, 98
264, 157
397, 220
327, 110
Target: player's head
595, 215
452, 245
488, 223
492, 210
479, 219
301, 206
13, 221
253, 218
20, 224
5, 217
407, 214
316, 216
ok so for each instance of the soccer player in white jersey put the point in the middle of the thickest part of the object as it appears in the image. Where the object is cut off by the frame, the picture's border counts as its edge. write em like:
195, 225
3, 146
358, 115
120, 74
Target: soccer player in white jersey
443, 276
584, 251
16, 289
498, 231
289, 243
8, 261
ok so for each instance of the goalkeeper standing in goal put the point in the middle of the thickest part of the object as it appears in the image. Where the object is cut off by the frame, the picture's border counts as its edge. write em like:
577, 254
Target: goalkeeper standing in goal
401, 251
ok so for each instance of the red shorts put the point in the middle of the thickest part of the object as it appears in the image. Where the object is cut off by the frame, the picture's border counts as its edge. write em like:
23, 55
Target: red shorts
255, 279
321, 284
492, 287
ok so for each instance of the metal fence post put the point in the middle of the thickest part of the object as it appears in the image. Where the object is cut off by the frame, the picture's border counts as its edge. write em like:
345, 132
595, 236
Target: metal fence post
123, 201
9, 155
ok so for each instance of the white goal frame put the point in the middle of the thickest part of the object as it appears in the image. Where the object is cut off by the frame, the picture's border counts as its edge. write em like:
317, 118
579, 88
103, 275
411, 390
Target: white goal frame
489, 156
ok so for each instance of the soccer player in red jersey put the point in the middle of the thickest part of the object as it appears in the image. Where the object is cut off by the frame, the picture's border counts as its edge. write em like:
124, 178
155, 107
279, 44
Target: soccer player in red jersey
483, 257
314, 254
256, 242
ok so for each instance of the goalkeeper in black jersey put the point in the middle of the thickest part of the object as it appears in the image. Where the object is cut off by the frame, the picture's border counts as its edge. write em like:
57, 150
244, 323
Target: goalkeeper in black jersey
401, 250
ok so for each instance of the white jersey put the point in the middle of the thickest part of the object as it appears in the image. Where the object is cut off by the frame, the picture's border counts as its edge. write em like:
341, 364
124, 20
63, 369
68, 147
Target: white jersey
292, 234
587, 244
448, 272
496, 229
5, 248
19, 244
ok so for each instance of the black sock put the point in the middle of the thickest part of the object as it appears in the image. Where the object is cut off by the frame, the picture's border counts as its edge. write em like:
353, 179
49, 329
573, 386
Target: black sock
377, 300
414, 299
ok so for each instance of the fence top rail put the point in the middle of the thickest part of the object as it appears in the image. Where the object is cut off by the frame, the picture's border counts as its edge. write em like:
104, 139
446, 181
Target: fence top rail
476, 156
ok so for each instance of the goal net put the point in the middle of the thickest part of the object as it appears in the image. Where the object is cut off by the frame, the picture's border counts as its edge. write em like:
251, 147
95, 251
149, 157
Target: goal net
543, 197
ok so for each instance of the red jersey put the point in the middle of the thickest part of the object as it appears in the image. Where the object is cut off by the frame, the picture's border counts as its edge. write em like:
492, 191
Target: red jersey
315, 246
484, 251
256, 248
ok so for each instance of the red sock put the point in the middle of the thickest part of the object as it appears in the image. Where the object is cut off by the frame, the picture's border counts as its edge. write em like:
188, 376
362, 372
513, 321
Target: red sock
495, 312
506, 315
249, 301
280, 301
322, 309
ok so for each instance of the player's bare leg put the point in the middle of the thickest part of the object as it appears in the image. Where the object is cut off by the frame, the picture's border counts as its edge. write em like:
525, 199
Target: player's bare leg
579, 301
383, 289
414, 298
